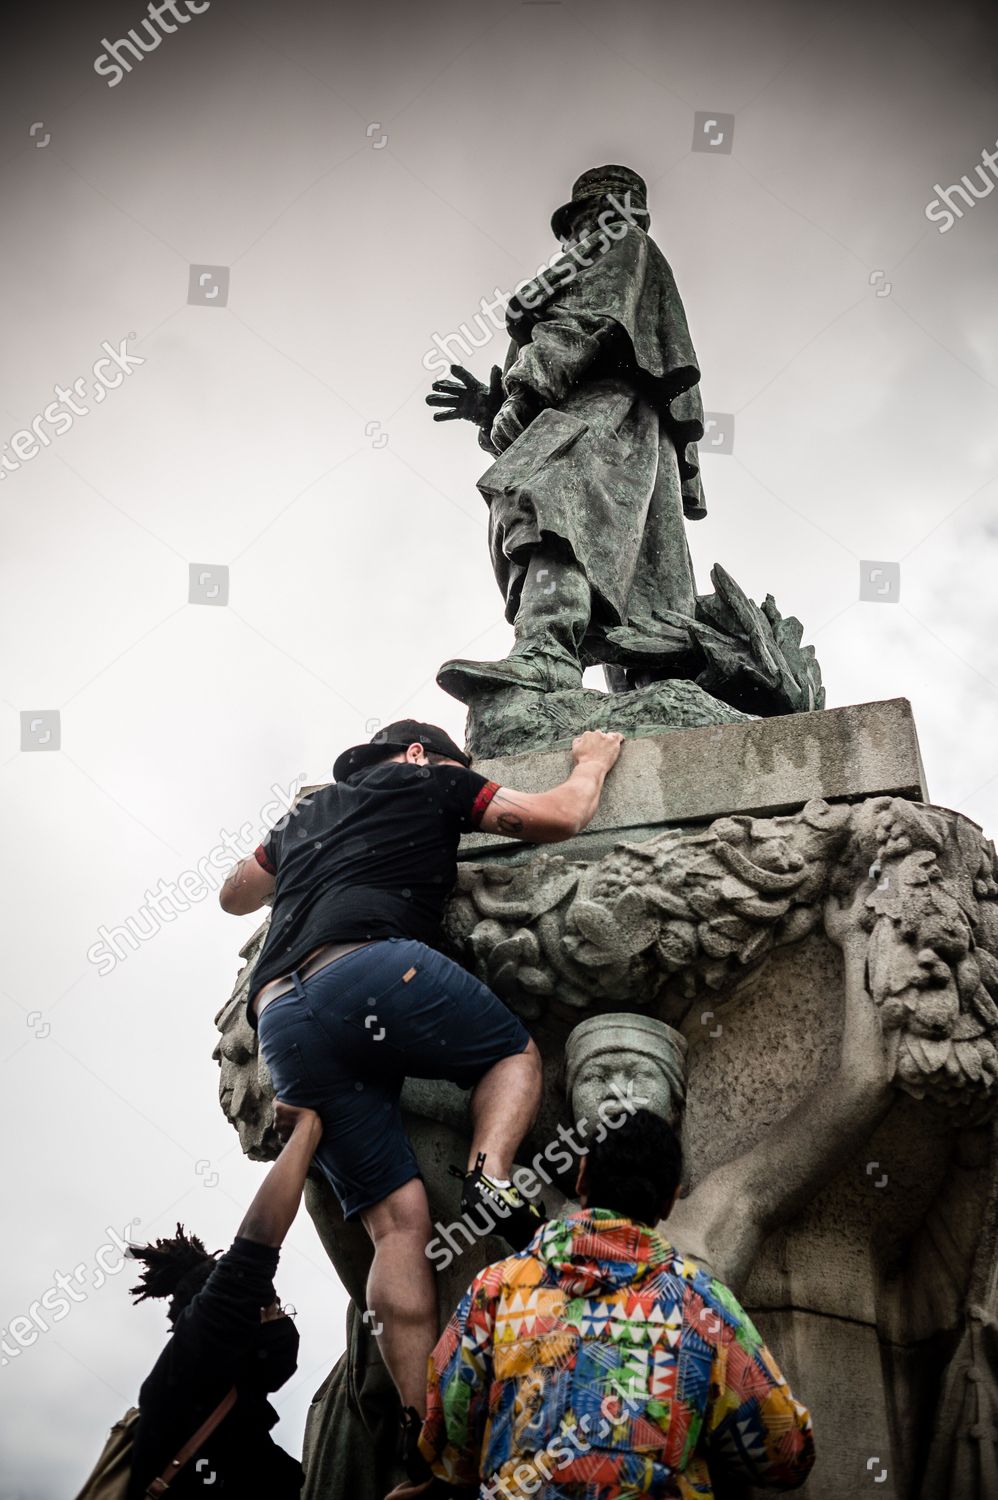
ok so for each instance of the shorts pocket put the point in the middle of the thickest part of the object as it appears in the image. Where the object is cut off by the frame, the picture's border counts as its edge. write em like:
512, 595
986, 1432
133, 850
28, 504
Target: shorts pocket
410, 1015
287, 1069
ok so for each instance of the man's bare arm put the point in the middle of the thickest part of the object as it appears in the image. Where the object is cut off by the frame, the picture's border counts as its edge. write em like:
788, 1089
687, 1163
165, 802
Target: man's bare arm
246, 888
272, 1212
562, 812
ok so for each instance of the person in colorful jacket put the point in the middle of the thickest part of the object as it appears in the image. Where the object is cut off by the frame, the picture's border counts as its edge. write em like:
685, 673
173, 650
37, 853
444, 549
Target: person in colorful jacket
600, 1362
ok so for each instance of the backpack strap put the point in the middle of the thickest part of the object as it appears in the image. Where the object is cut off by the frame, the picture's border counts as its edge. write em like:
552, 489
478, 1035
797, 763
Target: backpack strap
160, 1485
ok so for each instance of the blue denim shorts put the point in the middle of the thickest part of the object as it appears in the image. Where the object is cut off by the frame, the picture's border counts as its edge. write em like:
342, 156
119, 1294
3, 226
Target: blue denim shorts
343, 1042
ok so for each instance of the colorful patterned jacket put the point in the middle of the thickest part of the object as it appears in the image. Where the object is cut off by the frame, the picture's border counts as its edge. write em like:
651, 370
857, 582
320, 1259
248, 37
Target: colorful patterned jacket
600, 1363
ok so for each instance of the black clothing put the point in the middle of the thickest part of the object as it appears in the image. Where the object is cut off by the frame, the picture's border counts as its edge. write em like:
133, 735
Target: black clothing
374, 856
398, 736
218, 1341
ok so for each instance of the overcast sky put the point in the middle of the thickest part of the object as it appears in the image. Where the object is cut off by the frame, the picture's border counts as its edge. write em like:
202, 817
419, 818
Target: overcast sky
368, 175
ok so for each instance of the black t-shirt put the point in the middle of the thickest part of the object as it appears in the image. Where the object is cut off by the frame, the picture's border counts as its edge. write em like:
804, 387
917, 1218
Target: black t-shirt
374, 856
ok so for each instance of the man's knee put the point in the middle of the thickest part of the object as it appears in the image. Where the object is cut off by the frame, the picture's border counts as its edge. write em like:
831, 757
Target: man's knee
527, 1060
404, 1212
531, 1058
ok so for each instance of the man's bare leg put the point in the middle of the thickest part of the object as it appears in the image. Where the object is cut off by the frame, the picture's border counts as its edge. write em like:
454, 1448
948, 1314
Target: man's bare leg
504, 1105
401, 1293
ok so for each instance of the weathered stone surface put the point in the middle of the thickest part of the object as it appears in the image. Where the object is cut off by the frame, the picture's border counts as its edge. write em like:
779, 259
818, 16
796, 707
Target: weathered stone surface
666, 924
505, 721
760, 767
244, 1089
838, 1116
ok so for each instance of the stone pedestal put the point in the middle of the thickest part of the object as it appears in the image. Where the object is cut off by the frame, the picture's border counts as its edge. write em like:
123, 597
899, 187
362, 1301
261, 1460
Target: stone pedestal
760, 767
857, 1228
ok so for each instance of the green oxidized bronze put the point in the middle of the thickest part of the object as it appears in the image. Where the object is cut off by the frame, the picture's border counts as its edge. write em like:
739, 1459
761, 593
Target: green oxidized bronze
594, 423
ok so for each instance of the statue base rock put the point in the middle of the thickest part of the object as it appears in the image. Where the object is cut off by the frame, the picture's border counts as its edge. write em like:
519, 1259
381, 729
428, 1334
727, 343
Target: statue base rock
838, 1129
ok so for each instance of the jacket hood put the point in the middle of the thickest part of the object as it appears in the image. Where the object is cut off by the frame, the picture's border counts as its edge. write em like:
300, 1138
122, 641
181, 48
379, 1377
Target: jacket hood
595, 1251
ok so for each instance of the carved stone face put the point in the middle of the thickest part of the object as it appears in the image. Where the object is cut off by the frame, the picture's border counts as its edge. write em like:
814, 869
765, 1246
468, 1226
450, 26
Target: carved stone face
635, 1076
621, 1057
244, 1089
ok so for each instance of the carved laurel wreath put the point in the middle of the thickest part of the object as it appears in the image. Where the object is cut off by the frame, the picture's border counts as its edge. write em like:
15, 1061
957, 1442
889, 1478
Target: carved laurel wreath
665, 923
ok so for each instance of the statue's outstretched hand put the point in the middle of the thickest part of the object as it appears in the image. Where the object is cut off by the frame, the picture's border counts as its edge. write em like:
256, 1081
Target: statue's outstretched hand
468, 398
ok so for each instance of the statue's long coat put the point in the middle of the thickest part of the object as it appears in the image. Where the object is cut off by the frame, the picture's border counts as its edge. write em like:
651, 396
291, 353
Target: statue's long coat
609, 468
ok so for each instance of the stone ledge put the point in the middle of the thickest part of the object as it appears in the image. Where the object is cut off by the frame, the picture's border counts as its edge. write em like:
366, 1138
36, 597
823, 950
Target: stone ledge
762, 767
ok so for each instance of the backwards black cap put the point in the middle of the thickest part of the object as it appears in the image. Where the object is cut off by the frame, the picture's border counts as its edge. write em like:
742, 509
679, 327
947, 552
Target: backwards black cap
398, 736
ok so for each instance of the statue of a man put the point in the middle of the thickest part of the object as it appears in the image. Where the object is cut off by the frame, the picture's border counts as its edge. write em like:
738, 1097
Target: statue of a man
595, 420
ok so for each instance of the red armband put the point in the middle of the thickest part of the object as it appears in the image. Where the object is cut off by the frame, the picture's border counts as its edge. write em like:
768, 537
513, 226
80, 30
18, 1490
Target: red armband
263, 860
481, 802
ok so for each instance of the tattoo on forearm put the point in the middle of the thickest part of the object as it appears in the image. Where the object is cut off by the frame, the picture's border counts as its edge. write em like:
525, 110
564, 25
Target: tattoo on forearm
507, 822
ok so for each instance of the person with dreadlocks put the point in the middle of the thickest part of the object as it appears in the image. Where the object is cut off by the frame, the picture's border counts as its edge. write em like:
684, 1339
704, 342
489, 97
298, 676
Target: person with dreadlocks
228, 1330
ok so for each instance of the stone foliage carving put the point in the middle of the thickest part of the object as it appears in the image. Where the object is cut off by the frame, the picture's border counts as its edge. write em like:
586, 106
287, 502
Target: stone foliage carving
668, 923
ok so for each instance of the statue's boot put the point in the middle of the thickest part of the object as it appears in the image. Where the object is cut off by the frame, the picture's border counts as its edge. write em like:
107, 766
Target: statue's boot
538, 666
553, 616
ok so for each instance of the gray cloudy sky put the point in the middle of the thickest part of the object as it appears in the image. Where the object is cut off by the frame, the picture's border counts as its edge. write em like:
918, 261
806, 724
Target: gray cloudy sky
368, 175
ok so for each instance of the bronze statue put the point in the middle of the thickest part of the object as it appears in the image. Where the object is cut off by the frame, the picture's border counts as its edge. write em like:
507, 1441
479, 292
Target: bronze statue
595, 422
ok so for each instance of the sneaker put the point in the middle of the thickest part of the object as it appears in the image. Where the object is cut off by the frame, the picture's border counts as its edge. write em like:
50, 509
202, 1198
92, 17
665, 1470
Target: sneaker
516, 1220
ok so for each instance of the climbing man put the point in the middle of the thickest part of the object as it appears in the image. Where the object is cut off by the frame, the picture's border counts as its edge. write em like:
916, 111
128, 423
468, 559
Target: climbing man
352, 995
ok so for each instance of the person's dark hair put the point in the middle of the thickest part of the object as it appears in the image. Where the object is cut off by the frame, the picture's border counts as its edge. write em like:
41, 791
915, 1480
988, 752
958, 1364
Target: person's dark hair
176, 1268
636, 1168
